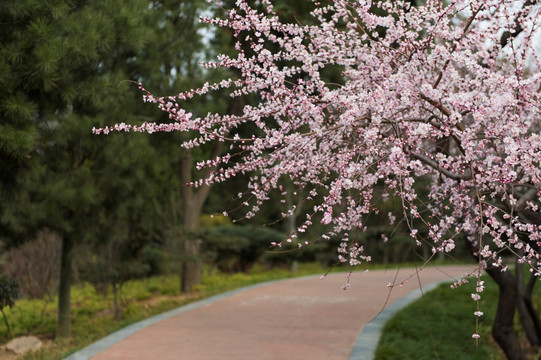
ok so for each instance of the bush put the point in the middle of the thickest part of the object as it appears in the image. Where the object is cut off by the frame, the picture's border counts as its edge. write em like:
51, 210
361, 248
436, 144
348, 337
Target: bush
112, 273
9, 292
35, 265
155, 260
237, 248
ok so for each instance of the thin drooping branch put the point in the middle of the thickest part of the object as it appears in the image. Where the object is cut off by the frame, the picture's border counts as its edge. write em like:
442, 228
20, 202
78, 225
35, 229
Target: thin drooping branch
202, 192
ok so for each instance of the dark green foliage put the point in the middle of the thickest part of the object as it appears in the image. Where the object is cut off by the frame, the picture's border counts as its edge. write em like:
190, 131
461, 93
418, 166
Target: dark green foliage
9, 292
17, 135
155, 259
105, 274
238, 248
63, 68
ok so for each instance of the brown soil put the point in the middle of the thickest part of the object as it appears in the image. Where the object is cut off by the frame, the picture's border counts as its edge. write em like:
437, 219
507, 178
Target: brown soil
6, 355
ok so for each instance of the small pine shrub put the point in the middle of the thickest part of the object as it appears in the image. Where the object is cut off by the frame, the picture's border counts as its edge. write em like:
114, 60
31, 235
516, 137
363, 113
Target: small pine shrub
9, 292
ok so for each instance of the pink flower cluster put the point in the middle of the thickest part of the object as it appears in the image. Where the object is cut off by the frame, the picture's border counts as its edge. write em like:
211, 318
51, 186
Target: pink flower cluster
429, 92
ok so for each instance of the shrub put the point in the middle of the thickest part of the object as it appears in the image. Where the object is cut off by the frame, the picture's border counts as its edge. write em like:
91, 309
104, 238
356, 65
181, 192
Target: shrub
237, 248
102, 275
9, 292
35, 265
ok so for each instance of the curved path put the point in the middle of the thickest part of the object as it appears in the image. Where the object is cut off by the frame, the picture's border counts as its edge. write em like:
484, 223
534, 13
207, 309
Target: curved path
302, 318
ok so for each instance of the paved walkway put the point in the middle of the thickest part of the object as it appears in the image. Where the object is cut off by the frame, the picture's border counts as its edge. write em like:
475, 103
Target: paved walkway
303, 318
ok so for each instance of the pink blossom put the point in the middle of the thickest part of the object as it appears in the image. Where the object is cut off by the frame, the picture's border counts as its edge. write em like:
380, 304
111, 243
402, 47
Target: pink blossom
437, 98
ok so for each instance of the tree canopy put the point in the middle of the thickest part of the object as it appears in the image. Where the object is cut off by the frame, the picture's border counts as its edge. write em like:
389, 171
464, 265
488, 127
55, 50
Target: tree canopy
447, 93
65, 66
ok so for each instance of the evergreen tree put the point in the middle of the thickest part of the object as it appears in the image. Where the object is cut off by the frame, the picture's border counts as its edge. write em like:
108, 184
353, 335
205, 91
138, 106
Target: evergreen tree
64, 61
17, 135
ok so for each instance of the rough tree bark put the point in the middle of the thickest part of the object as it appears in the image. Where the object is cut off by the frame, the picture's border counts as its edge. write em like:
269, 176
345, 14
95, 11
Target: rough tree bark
502, 328
528, 315
529, 305
192, 206
63, 329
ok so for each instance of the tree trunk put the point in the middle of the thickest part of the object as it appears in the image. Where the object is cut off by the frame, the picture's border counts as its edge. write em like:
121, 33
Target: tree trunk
193, 201
502, 329
529, 304
191, 265
10, 335
526, 317
116, 301
192, 205
63, 329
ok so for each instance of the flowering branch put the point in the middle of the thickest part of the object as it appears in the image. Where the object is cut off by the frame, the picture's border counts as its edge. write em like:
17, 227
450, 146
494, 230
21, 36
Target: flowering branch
429, 93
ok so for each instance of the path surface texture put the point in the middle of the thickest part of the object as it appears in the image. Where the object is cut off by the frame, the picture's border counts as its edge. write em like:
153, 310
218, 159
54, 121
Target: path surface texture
303, 318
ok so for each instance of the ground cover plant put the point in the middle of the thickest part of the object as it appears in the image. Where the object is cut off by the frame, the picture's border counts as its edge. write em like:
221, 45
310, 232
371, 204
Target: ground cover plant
442, 92
432, 327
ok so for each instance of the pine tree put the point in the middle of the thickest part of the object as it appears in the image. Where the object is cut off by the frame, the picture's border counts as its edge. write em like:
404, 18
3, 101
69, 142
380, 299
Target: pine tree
65, 62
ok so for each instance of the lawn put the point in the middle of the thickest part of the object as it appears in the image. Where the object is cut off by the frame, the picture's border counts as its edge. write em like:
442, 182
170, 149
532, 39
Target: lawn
440, 326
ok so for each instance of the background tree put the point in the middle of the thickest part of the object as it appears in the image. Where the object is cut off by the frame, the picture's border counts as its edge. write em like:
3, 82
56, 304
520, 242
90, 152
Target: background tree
182, 42
68, 61
437, 71
179, 44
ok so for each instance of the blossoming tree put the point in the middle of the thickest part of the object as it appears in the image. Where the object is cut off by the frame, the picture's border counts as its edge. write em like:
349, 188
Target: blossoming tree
445, 91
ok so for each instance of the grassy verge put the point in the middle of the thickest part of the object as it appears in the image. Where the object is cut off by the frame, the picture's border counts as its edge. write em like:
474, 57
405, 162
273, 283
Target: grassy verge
93, 316
441, 325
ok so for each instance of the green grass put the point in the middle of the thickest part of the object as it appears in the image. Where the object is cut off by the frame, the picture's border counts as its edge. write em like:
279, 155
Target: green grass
92, 315
441, 325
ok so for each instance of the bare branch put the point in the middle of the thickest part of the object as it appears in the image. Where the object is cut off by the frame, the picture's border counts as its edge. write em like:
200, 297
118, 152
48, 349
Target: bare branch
441, 108
528, 196
507, 36
433, 164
